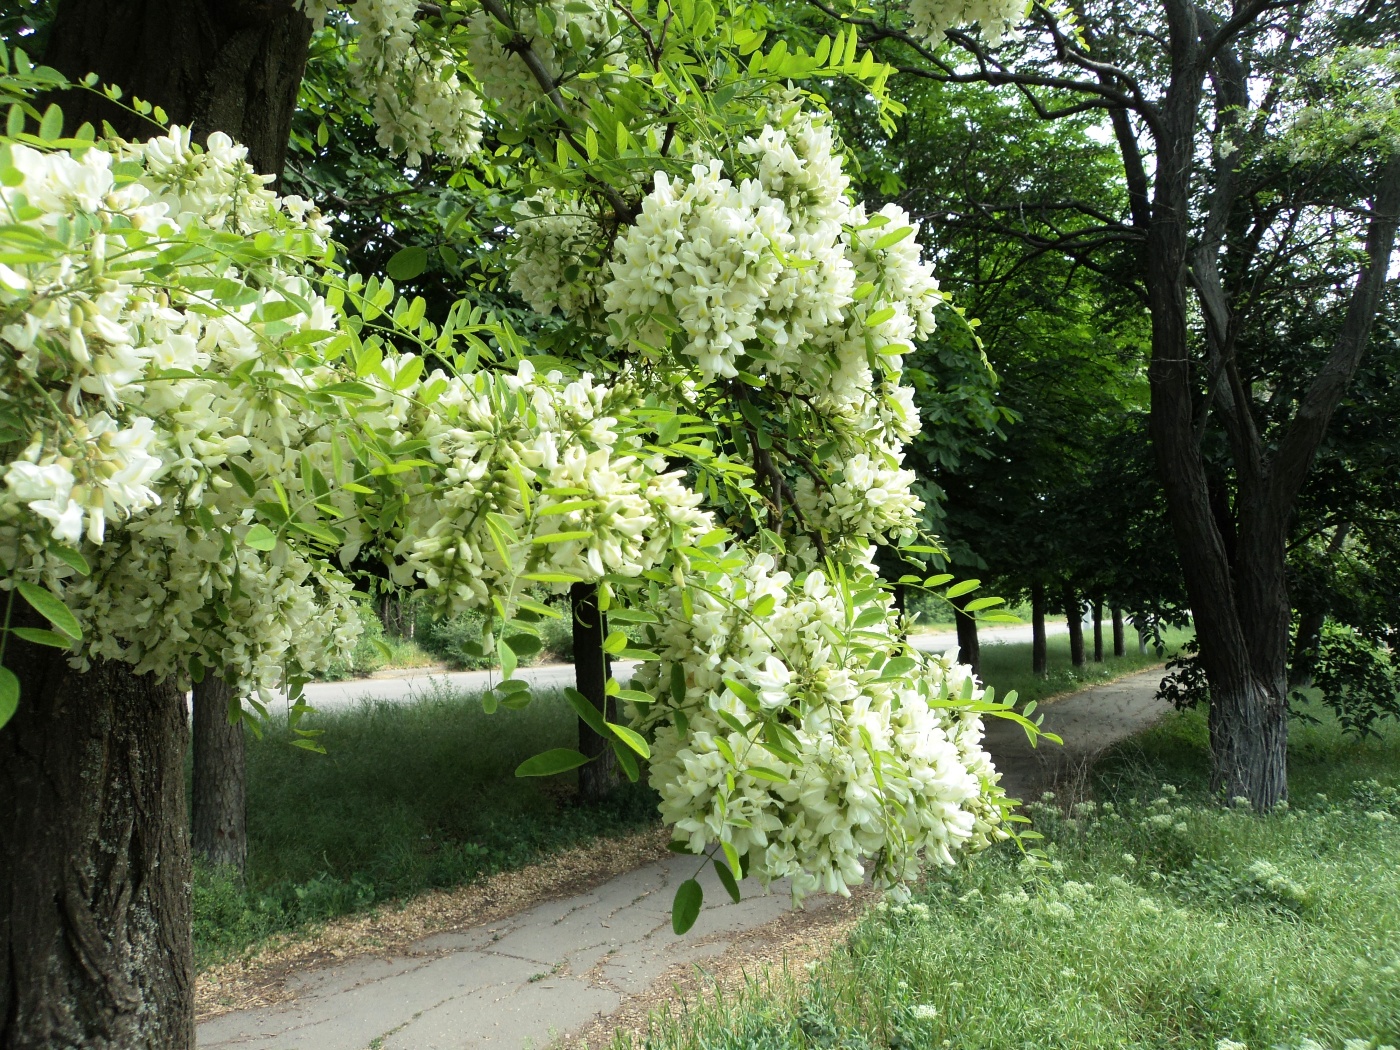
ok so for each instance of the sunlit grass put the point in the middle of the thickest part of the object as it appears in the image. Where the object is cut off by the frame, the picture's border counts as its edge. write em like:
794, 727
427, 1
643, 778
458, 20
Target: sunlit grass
1164, 920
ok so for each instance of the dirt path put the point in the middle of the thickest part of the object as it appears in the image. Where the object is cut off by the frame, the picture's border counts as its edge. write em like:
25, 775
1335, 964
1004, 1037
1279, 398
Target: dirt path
587, 961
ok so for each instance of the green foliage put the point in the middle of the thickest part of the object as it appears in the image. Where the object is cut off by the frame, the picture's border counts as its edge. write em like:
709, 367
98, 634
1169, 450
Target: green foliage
1157, 920
1355, 677
407, 798
1358, 678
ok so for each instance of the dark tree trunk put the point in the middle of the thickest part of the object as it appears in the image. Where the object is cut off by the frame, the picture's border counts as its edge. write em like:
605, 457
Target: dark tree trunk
1098, 632
969, 652
219, 830
233, 66
1120, 645
1305, 643
95, 948
95, 859
598, 778
1040, 663
1074, 619
1234, 570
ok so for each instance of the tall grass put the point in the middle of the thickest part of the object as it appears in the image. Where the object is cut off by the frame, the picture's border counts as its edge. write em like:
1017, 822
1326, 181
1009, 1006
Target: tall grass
1161, 920
408, 797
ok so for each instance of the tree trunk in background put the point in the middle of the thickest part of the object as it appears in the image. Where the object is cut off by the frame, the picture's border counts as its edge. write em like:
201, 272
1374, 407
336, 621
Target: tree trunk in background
598, 778
1310, 623
1142, 640
233, 67
1040, 663
219, 832
1074, 619
1098, 632
1120, 645
969, 651
95, 946
1305, 643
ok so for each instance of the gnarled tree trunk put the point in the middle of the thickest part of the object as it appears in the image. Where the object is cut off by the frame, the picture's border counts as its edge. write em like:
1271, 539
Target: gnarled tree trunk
95, 941
95, 947
1120, 646
218, 821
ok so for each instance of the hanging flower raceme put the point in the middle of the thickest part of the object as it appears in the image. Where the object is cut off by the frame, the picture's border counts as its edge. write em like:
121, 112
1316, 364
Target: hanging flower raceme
783, 731
421, 102
559, 33
204, 438
149, 358
777, 273
930, 19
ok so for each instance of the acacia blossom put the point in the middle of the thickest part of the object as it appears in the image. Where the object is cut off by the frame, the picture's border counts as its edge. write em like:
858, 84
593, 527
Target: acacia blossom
930, 19
791, 745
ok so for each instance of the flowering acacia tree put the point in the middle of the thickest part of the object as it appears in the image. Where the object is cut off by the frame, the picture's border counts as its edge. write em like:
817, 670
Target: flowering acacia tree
207, 422
1259, 144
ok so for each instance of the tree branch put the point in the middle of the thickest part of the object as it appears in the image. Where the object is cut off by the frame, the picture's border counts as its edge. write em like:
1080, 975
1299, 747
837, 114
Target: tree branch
1299, 445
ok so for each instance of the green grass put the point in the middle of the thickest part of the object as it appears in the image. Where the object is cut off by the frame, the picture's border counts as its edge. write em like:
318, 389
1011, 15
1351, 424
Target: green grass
1007, 666
1164, 921
407, 798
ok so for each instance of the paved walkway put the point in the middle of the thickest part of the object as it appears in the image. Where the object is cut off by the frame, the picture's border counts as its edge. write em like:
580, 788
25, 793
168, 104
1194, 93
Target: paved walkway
418, 683
529, 979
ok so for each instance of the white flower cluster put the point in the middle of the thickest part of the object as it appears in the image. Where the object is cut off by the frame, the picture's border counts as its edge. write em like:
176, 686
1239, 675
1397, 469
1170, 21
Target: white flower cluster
553, 30
120, 339
930, 19
551, 238
867, 496
779, 273
1345, 102
796, 748
420, 104
544, 464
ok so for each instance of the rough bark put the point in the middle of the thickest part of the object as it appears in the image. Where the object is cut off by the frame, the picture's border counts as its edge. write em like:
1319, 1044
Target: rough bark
95, 948
231, 66
95, 859
599, 777
969, 651
1120, 645
1234, 569
1074, 619
1098, 632
219, 833
1040, 663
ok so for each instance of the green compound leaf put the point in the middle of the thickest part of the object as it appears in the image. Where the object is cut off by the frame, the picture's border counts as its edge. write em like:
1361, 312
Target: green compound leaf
261, 538
559, 760
39, 636
726, 878
686, 907
407, 263
9, 695
51, 609
631, 738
